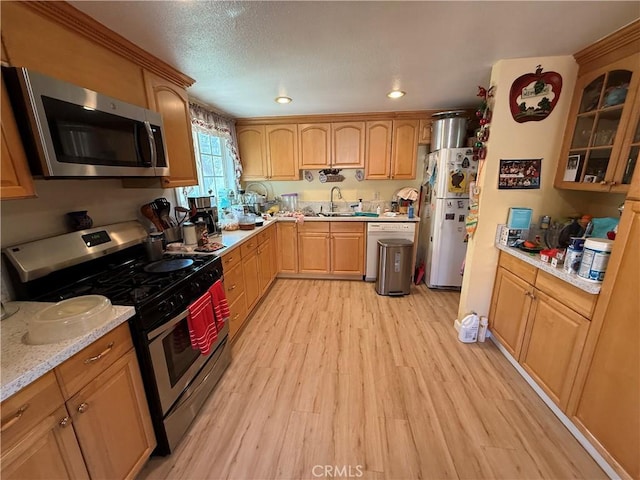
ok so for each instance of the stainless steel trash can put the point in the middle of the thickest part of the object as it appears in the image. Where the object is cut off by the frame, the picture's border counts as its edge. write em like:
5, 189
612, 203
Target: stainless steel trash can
394, 266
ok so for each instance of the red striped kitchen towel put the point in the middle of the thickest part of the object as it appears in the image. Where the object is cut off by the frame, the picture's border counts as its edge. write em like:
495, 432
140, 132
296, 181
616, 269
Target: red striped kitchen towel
202, 327
220, 304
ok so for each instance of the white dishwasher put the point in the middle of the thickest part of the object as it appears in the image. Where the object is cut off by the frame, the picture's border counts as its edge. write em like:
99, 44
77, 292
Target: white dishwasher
384, 230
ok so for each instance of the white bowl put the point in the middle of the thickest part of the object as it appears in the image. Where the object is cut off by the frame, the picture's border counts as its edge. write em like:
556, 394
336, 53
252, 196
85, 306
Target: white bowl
68, 319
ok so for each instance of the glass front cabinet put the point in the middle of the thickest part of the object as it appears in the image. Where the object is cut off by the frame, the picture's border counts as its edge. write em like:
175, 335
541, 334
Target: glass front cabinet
602, 139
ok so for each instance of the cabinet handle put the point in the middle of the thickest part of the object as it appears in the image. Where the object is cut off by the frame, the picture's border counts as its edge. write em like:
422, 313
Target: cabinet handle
100, 355
65, 422
236, 316
604, 182
530, 295
15, 418
232, 287
613, 183
83, 407
229, 259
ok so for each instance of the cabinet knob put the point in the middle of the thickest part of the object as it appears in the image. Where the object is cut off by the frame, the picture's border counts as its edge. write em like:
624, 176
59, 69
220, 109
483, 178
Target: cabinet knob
604, 182
65, 422
530, 295
613, 183
83, 407
232, 287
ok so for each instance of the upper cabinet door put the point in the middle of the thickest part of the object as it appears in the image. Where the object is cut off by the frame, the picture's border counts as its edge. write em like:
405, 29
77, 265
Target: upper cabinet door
404, 149
15, 177
624, 174
252, 151
424, 137
378, 149
172, 103
601, 114
282, 152
348, 144
314, 140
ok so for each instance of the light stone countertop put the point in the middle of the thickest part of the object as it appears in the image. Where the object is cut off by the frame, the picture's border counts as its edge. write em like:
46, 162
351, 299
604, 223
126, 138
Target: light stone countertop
232, 239
22, 364
571, 278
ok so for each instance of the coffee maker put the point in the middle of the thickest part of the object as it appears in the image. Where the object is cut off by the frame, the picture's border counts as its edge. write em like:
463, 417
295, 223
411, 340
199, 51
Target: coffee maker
202, 210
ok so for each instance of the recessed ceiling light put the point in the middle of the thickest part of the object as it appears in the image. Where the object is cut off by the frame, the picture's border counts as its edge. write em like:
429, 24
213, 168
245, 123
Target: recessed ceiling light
283, 99
396, 94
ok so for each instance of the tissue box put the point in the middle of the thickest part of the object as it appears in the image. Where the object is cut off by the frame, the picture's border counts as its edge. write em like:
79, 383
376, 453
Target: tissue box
519, 218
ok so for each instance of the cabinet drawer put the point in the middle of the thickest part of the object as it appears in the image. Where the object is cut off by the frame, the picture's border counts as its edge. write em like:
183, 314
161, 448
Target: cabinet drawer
249, 246
238, 314
233, 283
263, 236
574, 298
306, 227
230, 259
31, 405
521, 269
347, 227
85, 365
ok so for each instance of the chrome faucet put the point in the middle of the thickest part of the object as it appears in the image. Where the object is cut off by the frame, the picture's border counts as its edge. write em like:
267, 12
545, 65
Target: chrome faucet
331, 205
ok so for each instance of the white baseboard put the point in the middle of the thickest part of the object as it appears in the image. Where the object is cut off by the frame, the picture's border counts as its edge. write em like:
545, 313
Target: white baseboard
591, 450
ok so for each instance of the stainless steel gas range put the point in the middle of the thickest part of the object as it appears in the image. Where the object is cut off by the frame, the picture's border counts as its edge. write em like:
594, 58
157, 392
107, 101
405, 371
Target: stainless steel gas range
110, 261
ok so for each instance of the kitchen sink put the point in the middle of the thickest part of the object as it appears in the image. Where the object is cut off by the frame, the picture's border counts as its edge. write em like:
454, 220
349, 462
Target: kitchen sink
337, 214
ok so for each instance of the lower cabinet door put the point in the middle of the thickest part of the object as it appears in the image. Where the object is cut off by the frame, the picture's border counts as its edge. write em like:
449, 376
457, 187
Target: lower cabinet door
313, 252
347, 253
552, 346
509, 310
49, 450
112, 422
238, 315
251, 273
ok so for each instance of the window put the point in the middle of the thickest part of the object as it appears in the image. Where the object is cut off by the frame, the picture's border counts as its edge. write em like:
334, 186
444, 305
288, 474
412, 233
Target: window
215, 169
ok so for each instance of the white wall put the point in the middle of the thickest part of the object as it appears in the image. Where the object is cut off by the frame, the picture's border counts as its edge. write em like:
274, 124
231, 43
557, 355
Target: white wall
104, 199
511, 140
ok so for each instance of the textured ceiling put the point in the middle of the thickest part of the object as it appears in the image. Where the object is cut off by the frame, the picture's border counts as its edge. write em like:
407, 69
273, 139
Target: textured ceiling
334, 57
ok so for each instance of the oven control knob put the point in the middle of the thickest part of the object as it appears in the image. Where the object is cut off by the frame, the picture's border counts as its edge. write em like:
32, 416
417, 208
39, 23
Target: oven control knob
196, 286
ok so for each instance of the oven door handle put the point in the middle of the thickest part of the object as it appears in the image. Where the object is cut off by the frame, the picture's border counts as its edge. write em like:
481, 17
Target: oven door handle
166, 326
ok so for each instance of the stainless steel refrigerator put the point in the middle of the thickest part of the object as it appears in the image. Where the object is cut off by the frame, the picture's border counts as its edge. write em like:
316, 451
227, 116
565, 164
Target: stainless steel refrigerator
445, 205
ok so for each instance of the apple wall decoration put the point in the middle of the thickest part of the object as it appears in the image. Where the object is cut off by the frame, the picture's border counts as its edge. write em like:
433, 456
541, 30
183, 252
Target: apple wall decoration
533, 96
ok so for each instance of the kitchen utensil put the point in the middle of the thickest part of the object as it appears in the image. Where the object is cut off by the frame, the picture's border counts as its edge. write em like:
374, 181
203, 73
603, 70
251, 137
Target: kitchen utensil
149, 212
163, 209
185, 214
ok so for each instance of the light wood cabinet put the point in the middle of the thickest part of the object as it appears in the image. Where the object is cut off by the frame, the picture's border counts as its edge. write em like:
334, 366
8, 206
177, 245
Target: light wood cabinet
378, 149
314, 248
15, 177
347, 144
543, 322
103, 430
424, 135
404, 149
602, 138
252, 151
510, 307
552, 346
172, 103
251, 274
266, 259
282, 152
314, 140
237, 315
112, 423
287, 249
606, 394
347, 248
336, 145
268, 152
331, 248
49, 450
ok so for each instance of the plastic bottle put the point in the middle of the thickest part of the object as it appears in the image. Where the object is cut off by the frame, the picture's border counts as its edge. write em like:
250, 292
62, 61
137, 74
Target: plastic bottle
482, 332
410, 211
378, 210
469, 329
359, 207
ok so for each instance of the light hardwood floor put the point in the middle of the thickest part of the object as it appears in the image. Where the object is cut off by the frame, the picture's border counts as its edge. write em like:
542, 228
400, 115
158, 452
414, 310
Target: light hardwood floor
330, 373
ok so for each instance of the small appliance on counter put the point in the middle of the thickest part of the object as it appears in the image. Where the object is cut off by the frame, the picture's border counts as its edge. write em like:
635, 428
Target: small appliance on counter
203, 209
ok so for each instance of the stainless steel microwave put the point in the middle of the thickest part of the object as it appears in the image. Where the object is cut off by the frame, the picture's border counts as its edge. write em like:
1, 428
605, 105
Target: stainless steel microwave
70, 131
